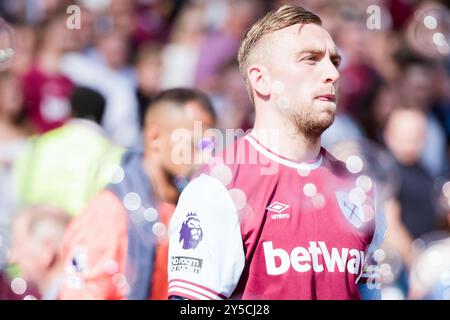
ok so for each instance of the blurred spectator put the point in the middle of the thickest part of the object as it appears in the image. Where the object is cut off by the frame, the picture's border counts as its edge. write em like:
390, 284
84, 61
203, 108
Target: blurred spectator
180, 54
13, 126
401, 12
231, 100
343, 129
37, 232
111, 50
122, 231
87, 104
120, 120
383, 59
353, 41
415, 213
25, 38
382, 99
416, 89
148, 76
153, 20
111, 54
13, 133
82, 38
441, 107
31, 12
46, 91
68, 165
121, 14
430, 273
217, 46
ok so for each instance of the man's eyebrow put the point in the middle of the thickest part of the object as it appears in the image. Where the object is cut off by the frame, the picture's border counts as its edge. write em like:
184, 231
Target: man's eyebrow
315, 51
334, 54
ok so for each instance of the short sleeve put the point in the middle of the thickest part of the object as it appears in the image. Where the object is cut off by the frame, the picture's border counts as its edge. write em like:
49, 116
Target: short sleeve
206, 255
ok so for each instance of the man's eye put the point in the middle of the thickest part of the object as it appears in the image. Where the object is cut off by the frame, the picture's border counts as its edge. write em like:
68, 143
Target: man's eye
311, 58
336, 62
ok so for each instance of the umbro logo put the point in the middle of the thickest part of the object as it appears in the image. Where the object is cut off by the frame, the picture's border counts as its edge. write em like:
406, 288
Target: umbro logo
278, 208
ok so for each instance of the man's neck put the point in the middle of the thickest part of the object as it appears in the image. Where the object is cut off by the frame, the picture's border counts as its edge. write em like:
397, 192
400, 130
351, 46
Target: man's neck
285, 140
162, 184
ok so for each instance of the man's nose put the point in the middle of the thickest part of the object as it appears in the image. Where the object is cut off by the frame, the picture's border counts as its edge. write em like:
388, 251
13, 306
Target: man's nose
331, 73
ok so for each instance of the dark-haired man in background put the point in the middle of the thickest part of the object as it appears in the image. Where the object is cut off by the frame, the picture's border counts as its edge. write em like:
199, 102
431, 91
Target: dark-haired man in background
116, 248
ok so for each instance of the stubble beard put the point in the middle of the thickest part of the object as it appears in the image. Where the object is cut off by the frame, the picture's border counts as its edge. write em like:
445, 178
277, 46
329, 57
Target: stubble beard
307, 123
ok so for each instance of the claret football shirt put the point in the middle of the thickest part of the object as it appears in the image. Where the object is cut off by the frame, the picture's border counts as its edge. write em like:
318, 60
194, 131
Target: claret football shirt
255, 225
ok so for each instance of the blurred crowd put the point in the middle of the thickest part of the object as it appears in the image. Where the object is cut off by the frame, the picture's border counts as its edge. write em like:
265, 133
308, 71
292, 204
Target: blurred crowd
74, 100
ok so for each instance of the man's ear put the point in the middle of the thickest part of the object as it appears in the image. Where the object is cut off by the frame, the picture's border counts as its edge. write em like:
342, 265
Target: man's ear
259, 79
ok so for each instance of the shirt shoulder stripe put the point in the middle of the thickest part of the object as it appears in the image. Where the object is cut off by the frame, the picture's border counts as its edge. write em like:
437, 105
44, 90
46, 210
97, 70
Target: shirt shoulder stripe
196, 287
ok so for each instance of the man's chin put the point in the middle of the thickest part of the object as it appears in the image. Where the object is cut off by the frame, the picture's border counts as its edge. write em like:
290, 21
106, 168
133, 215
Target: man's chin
324, 121
314, 131
325, 106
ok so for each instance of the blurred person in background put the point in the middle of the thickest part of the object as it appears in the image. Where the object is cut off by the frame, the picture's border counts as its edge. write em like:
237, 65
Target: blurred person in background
13, 133
441, 107
46, 90
122, 15
154, 20
25, 38
66, 166
111, 51
117, 247
416, 89
37, 232
430, 272
109, 74
375, 107
82, 39
231, 100
382, 59
180, 53
39, 10
415, 211
13, 125
144, 21
220, 43
31, 12
148, 68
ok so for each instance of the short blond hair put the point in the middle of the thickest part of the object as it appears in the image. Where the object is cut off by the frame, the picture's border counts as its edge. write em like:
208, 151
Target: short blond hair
284, 17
